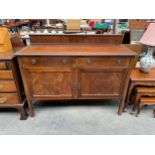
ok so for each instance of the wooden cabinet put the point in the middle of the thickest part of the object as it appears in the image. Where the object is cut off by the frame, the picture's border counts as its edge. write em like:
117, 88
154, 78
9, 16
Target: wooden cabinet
75, 72
11, 88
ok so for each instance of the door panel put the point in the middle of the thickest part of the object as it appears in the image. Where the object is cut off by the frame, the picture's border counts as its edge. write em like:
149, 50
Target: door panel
101, 83
50, 83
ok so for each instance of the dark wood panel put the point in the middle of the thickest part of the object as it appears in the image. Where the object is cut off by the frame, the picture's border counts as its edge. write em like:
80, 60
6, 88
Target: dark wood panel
50, 82
101, 83
106, 39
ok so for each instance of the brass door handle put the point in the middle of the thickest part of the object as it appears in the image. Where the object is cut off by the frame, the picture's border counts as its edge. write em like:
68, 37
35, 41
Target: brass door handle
119, 61
1, 87
88, 61
33, 61
3, 100
64, 61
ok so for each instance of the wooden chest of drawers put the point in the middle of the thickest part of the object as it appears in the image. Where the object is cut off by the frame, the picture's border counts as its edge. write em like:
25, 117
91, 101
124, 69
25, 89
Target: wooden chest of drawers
11, 88
58, 72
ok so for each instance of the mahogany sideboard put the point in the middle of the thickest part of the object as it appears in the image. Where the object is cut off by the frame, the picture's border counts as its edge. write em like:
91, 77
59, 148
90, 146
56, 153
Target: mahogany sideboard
73, 71
11, 88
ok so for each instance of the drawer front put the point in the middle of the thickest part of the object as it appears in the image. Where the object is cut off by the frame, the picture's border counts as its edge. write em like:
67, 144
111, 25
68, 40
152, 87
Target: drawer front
9, 98
46, 61
2, 65
7, 86
6, 75
100, 62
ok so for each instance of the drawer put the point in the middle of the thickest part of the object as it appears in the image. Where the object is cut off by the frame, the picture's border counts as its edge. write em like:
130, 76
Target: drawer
2, 65
9, 98
46, 61
6, 75
7, 86
100, 62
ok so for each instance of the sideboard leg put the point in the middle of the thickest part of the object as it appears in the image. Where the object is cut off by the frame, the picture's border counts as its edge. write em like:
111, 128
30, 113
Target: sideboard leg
154, 113
30, 107
128, 97
121, 106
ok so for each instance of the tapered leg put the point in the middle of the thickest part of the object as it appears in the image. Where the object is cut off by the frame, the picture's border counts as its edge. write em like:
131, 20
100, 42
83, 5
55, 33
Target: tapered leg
30, 107
128, 97
139, 107
121, 106
154, 113
136, 100
133, 109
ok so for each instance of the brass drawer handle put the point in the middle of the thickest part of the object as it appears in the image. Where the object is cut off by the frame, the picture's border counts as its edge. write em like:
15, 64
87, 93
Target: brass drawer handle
1, 87
64, 61
119, 61
3, 100
88, 62
33, 61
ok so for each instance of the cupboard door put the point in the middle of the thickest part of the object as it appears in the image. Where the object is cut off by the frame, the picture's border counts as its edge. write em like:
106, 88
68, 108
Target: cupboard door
101, 83
50, 83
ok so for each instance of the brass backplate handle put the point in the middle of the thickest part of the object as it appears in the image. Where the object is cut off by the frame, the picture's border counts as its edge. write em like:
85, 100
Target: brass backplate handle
89, 61
119, 61
33, 61
3, 100
64, 61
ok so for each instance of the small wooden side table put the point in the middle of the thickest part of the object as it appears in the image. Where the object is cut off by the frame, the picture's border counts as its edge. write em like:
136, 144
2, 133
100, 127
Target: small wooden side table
145, 101
138, 78
140, 93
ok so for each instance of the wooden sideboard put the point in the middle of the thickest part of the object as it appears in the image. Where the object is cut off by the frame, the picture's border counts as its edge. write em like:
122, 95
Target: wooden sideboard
68, 72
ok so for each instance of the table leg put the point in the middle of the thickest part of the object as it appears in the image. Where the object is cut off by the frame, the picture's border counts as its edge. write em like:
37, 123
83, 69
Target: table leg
132, 85
30, 107
154, 113
121, 106
135, 104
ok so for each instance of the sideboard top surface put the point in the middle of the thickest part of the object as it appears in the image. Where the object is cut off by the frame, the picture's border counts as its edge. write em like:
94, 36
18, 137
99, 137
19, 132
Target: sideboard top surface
75, 50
